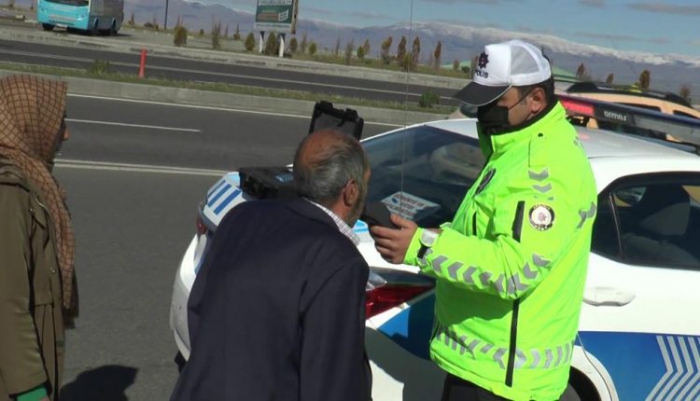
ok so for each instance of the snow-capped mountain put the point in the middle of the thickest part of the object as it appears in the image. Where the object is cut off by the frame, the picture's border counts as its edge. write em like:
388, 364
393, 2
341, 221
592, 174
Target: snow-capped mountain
668, 71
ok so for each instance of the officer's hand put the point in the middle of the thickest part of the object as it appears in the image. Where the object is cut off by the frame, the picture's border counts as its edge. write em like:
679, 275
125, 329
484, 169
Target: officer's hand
392, 243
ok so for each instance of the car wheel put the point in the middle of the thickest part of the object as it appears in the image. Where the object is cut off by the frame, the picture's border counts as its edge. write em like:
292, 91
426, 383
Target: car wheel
570, 394
113, 29
47, 27
94, 31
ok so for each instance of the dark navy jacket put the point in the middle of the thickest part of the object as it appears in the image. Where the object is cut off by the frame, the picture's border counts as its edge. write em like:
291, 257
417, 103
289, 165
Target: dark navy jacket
277, 311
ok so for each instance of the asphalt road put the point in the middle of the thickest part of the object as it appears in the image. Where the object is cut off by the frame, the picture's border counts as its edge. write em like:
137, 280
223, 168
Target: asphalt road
159, 134
131, 230
134, 222
205, 71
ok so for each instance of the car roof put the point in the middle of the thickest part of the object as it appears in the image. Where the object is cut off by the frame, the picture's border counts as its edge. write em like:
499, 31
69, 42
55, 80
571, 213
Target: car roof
655, 104
597, 143
590, 88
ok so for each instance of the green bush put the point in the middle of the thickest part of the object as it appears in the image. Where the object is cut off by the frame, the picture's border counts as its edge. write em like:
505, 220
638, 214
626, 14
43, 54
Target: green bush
180, 37
99, 67
272, 46
428, 100
361, 53
216, 36
313, 48
250, 42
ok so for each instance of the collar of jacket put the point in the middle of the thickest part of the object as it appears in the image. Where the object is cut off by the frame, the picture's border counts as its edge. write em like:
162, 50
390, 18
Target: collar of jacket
11, 175
495, 145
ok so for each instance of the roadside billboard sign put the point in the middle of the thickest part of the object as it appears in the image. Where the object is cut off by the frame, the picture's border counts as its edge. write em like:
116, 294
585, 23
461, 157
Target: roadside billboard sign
276, 15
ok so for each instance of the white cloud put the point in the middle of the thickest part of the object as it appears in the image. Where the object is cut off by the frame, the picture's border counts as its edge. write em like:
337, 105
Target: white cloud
623, 38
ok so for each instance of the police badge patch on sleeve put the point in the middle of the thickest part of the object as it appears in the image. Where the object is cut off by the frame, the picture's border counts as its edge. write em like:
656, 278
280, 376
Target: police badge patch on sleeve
541, 217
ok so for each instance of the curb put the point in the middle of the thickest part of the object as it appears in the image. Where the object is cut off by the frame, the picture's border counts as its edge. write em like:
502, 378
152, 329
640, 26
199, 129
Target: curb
26, 35
231, 101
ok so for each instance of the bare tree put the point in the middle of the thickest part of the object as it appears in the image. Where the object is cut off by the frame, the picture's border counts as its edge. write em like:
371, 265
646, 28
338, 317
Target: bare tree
386, 50
645, 79
237, 34
582, 73
349, 48
401, 51
216, 36
437, 54
366, 46
304, 43
415, 53
685, 92
337, 47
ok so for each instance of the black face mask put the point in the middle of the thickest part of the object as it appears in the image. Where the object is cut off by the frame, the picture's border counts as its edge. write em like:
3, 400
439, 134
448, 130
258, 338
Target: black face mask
493, 118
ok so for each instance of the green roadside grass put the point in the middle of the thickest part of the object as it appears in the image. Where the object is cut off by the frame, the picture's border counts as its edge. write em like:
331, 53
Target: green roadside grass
101, 71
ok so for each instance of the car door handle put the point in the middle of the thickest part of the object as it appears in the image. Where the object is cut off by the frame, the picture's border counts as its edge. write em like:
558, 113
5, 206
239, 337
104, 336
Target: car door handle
607, 296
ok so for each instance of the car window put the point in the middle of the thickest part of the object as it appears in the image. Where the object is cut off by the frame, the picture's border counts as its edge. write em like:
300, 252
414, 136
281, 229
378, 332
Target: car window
654, 224
684, 114
629, 129
423, 173
642, 106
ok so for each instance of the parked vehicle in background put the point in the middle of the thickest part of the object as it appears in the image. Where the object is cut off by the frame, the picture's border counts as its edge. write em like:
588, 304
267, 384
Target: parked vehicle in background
93, 16
663, 102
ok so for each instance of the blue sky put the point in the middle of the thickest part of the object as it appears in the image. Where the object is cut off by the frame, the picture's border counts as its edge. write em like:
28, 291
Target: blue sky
654, 26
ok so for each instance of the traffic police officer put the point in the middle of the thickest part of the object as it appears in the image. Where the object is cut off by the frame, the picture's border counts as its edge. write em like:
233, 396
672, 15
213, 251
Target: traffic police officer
511, 266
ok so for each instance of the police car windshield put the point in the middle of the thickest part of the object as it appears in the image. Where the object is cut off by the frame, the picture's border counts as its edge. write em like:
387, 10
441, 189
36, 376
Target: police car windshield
423, 173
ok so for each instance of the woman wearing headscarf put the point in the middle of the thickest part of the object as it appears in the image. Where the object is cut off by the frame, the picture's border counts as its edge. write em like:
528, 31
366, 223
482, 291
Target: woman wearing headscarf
38, 293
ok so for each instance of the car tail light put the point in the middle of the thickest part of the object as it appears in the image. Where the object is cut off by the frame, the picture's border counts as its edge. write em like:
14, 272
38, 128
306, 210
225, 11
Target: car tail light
398, 289
574, 107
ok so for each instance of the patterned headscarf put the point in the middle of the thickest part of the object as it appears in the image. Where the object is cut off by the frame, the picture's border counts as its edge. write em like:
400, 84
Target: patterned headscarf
32, 111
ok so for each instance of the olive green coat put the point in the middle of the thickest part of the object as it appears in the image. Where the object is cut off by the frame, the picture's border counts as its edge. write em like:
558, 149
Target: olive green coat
31, 322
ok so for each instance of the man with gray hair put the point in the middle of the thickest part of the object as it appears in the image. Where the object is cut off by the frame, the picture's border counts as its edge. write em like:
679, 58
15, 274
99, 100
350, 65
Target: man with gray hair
277, 310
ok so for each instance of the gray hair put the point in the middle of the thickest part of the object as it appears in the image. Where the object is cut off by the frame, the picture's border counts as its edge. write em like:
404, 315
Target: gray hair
321, 177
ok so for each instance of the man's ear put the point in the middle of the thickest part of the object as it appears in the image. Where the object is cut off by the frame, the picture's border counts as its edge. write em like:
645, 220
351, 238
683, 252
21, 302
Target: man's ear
539, 100
350, 193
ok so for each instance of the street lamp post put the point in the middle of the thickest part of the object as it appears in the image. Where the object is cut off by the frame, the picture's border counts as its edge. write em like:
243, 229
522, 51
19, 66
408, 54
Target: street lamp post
165, 24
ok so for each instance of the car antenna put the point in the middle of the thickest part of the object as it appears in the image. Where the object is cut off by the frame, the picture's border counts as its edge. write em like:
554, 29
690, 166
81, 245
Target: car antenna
408, 65
626, 61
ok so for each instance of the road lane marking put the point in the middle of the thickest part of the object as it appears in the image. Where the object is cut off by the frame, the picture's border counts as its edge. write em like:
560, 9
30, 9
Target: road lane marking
153, 127
135, 168
192, 106
221, 74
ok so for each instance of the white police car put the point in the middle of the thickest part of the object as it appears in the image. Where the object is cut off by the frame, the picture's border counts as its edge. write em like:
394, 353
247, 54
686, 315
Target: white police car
639, 333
